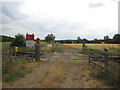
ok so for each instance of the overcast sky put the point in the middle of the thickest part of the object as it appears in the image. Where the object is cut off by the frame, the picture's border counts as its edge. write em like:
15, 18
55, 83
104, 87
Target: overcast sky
66, 19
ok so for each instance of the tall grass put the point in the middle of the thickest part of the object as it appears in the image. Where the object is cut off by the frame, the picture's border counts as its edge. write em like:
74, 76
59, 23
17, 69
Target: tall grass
14, 67
13, 75
109, 77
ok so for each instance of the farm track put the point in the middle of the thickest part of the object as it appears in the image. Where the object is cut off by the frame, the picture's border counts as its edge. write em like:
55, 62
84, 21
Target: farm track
76, 75
72, 78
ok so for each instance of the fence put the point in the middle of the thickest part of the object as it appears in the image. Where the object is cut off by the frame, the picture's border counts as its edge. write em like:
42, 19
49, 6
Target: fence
103, 59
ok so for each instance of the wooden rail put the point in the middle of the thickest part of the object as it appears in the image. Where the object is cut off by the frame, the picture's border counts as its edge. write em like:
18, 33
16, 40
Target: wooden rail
101, 57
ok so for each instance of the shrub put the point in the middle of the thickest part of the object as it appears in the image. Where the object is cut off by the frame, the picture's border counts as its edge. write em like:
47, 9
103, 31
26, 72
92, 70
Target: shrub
19, 40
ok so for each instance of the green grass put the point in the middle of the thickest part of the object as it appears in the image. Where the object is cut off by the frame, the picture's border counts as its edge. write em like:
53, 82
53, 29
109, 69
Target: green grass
14, 75
4, 45
12, 68
9, 74
57, 49
43, 44
17, 69
49, 49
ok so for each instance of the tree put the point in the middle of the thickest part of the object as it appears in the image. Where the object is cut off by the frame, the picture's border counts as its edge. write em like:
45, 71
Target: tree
50, 38
79, 40
19, 40
116, 38
106, 39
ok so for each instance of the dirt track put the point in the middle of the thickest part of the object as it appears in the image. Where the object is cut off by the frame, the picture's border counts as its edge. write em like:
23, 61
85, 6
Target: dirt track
60, 70
70, 78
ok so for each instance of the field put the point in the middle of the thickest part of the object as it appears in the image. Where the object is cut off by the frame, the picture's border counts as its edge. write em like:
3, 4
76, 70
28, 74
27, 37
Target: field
60, 67
113, 48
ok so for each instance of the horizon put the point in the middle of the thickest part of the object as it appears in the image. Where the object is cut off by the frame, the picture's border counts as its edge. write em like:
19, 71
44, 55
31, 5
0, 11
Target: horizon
66, 39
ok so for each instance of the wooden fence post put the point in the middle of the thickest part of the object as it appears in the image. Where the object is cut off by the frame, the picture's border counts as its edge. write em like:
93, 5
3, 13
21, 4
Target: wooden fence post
53, 43
105, 58
32, 52
27, 54
37, 50
89, 55
83, 46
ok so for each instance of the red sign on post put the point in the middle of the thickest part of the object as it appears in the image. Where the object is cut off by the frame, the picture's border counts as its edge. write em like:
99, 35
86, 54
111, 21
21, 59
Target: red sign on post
29, 36
29, 40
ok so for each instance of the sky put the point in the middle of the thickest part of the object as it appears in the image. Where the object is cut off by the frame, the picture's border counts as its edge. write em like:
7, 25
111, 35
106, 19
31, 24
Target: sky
66, 19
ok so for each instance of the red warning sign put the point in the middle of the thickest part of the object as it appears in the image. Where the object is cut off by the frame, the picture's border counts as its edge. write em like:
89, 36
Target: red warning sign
29, 36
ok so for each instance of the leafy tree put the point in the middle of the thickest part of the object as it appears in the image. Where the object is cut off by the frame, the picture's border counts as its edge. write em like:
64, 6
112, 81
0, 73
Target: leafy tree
19, 40
116, 38
49, 38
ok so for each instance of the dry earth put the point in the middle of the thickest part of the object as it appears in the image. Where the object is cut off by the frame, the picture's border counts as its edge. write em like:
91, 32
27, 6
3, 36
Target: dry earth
60, 70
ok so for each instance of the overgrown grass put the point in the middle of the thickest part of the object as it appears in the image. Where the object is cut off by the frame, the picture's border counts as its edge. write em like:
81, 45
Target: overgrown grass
14, 67
14, 75
17, 69
109, 77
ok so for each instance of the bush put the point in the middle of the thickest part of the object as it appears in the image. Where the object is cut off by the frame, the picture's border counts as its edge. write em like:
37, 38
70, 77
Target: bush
19, 40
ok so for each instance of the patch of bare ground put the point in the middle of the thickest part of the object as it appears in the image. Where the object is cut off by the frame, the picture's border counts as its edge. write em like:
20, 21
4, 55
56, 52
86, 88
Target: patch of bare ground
55, 75
73, 78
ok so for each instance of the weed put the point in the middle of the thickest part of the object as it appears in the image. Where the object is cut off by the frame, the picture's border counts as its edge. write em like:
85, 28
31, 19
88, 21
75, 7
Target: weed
109, 77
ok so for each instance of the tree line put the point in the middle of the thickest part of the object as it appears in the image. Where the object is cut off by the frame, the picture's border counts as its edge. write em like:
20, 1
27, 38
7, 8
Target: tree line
6, 38
106, 39
20, 40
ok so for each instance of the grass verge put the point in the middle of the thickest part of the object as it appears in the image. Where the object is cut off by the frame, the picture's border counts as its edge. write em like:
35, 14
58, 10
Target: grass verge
18, 69
109, 77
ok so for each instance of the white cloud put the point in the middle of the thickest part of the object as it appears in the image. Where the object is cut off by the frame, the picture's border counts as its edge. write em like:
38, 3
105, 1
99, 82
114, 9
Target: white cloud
99, 4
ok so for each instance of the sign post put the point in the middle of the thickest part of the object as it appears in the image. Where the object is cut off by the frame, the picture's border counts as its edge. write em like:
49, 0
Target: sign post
37, 50
29, 42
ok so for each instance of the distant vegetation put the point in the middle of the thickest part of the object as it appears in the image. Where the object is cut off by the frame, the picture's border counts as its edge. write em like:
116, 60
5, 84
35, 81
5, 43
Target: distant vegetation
114, 40
6, 38
106, 39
